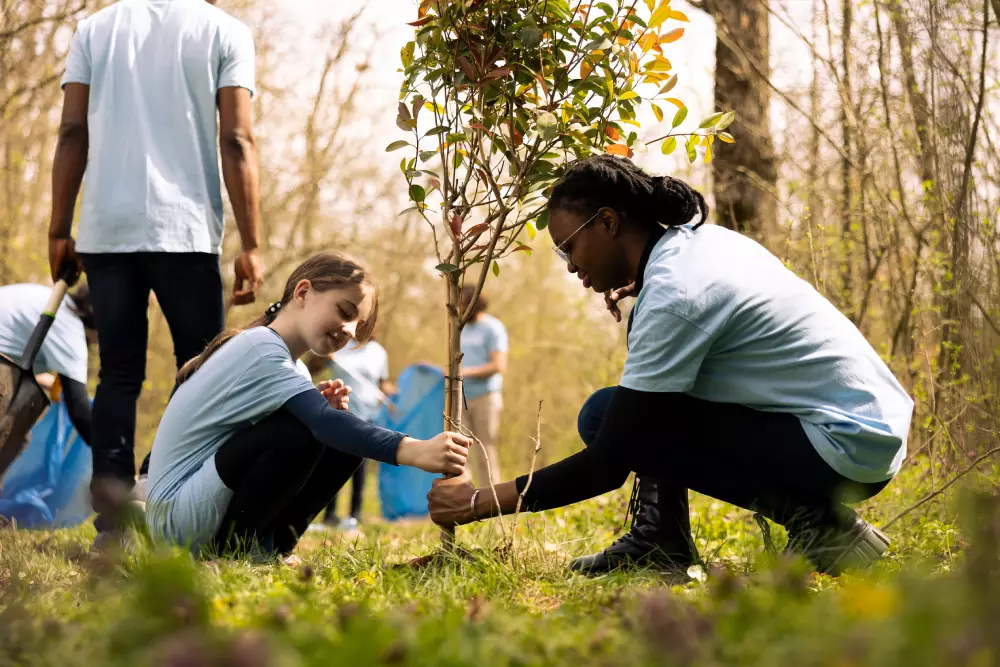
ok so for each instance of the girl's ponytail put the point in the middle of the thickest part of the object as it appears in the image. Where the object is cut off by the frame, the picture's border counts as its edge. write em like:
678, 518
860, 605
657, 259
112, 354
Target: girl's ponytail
325, 271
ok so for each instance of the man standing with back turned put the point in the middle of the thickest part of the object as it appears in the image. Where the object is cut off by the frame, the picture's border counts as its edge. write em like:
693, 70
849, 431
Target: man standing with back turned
142, 84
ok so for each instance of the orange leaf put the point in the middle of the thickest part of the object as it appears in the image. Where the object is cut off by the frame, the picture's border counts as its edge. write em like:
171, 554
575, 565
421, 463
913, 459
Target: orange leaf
619, 149
477, 229
676, 102
420, 22
612, 132
647, 41
672, 36
424, 6
585, 69
679, 16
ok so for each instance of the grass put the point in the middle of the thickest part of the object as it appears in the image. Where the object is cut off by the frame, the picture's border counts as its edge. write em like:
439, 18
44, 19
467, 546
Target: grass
934, 599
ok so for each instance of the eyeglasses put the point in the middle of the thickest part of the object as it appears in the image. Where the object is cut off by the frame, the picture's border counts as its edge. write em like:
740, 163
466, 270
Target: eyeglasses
562, 254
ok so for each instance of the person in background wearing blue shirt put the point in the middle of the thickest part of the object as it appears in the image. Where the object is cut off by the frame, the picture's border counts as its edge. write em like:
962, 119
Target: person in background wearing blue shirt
484, 361
248, 451
742, 382
65, 348
143, 85
364, 368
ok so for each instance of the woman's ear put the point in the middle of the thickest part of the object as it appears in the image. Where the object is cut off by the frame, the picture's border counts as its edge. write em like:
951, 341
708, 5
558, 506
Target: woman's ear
301, 289
609, 218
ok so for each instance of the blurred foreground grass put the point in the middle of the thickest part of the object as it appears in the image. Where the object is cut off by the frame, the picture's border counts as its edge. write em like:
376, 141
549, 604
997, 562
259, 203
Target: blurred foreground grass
935, 600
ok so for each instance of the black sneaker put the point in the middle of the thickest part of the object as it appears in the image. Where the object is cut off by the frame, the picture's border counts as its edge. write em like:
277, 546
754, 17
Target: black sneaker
643, 545
833, 551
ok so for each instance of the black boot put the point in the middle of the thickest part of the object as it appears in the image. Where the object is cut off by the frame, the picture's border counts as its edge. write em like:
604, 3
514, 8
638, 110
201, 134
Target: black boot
852, 543
646, 544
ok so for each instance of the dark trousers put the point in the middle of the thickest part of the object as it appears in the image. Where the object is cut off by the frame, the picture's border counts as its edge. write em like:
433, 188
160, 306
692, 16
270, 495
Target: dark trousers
760, 461
281, 477
357, 496
188, 287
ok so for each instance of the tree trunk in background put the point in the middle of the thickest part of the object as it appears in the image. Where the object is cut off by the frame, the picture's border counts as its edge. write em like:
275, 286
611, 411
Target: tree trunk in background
745, 174
846, 210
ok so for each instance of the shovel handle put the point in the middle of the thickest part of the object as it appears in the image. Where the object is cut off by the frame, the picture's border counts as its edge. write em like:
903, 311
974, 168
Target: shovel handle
44, 323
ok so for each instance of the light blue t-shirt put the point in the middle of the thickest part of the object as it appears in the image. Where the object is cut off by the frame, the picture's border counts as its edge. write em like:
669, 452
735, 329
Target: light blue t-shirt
487, 334
362, 368
720, 318
247, 379
154, 68
64, 350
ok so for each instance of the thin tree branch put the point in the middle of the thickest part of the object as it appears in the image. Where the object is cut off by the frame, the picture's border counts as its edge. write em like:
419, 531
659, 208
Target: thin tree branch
935, 494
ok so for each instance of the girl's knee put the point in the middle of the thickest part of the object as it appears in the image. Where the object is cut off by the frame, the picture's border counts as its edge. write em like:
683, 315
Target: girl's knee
588, 422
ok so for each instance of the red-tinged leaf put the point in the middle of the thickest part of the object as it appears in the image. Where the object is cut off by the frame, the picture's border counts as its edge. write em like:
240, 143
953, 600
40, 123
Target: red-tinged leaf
434, 183
672, 36
619, 149
422, 22
482, 176
456, 224
418, 104
498, 73
477, 229
545, 88
404, 113
463, 64
525, 248
612, 132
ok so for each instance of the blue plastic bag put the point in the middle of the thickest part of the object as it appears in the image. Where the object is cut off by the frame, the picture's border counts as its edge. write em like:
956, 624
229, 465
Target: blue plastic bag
417, 411
47, 486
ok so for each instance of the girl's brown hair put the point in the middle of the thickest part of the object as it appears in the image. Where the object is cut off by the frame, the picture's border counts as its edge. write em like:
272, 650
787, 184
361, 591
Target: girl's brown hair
325, 271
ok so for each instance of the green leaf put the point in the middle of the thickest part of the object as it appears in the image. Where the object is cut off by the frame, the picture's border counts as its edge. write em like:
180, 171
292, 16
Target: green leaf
691, 152
496, 269
396, 145
456, 136
726, 120
446, 268
427, 155
602, 44
668, 145
711, 120
680, 116
440, 129
548, 125
417, 193
543, 220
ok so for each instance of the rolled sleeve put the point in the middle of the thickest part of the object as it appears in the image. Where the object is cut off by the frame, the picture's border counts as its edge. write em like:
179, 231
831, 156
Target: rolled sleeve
237, 69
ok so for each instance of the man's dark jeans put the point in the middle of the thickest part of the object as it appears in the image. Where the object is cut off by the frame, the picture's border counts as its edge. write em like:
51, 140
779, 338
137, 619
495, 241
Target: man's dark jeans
188, 287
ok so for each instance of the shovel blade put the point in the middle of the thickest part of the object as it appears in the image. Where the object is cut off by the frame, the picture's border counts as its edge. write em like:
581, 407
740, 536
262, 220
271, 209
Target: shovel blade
22, 402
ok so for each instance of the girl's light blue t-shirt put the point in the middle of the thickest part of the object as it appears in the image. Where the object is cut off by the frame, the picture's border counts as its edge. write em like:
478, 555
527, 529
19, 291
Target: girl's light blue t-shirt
246, 380
720, 318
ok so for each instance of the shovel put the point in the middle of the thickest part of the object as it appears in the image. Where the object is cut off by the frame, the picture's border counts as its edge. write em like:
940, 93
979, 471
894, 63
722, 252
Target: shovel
22, 400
